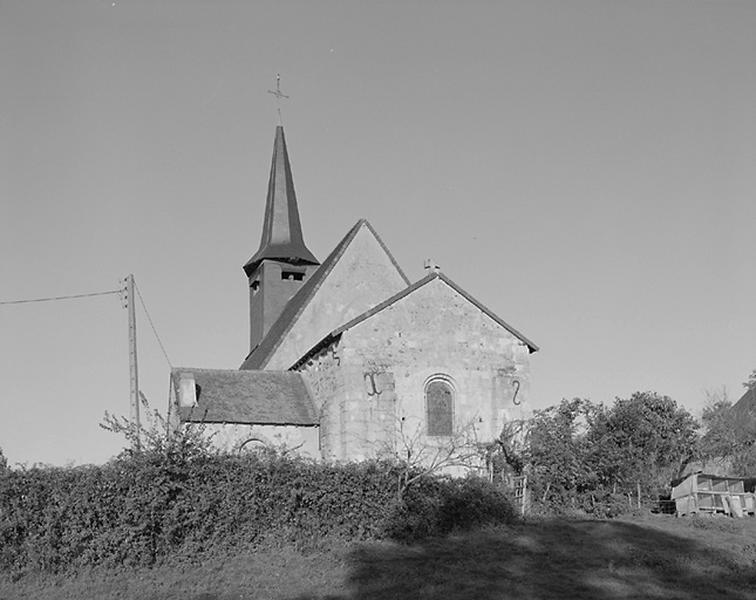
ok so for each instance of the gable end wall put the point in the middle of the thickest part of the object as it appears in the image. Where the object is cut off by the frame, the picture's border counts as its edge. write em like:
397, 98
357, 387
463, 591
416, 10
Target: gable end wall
433, 331
363, 277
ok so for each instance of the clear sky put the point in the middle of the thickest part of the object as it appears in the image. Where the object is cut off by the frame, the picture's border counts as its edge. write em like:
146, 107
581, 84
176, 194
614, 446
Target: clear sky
587, 169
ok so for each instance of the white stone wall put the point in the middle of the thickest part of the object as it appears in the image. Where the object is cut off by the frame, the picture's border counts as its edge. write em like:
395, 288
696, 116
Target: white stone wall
432, 331
363, 277
236, 437
326, 382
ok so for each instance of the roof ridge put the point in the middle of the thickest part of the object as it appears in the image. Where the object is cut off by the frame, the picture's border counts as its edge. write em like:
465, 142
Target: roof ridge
245, 371
385, 249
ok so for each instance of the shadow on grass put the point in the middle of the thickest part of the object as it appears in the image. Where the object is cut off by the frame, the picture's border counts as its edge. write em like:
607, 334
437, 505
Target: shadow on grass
552, 559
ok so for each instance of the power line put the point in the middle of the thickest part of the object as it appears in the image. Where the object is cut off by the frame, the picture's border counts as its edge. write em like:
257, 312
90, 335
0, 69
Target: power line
107, 293
53, 298
152, 325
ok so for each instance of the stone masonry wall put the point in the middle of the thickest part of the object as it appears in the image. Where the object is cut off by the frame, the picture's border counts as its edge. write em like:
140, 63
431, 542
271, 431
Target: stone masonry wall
236, 437
326, 381
362, 277
433, 331
353, 404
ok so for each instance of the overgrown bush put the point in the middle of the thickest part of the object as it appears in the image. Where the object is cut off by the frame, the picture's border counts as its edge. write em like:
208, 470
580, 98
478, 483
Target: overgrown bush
146, 507
438, 506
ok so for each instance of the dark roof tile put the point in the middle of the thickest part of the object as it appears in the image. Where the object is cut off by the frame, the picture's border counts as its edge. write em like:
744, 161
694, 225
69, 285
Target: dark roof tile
253, 397
282, 231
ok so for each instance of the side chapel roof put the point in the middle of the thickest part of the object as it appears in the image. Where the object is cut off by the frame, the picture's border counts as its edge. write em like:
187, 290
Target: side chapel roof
282, 231
532, 347
258, 358
253, 397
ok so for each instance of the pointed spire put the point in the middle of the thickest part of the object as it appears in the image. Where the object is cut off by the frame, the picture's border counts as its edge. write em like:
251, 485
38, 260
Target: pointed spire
282, 232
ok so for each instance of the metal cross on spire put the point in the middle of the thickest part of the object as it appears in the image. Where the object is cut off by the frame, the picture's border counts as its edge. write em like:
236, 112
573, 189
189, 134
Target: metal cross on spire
279, 96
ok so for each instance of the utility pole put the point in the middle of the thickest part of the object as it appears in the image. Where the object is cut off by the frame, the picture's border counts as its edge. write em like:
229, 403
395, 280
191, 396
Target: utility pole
130, 305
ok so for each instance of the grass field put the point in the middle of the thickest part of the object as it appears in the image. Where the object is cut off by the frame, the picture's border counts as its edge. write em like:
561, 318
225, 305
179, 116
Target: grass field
650, 557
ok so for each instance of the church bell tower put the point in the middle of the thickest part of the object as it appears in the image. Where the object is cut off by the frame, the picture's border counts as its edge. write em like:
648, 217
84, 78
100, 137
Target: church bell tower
283, 263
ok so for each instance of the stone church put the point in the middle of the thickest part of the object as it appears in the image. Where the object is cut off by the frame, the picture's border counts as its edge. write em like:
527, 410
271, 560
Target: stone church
348, 356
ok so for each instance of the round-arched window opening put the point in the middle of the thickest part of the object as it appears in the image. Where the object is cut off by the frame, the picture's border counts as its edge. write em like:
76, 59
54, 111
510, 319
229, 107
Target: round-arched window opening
439, 407
253, 445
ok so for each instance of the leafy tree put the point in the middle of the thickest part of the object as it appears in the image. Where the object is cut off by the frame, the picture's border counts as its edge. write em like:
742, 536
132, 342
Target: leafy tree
506, 454
557, 450
729, 436
3, 462
581, 452
644, 439
751, 382
718, 423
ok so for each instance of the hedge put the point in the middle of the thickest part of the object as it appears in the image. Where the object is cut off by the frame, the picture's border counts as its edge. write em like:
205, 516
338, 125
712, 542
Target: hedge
145, 508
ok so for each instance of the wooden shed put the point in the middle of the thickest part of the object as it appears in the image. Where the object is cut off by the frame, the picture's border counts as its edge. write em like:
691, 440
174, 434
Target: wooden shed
701, 493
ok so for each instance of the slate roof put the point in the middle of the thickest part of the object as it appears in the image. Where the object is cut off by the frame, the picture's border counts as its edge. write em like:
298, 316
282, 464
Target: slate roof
253, 397
282, 231
532, 347
260, 355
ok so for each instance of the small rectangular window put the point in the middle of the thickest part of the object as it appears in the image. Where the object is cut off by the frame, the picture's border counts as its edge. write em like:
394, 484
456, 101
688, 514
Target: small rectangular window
292, 275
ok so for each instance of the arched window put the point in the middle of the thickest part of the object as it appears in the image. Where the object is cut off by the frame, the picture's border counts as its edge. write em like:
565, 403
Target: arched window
439, 407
